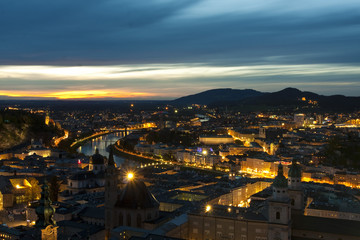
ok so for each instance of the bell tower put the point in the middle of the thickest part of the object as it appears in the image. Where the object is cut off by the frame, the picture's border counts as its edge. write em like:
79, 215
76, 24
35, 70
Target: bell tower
111, 192
295, 189
279, 208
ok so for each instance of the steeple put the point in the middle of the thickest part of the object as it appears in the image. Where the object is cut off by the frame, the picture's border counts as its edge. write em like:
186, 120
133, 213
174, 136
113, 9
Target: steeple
97, 162
280, 180
295, 170
111, 161
45, 211
279, 208
295, 190
111, 193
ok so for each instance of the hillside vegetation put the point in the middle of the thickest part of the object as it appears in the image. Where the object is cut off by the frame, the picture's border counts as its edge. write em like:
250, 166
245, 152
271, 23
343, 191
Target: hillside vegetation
18, 127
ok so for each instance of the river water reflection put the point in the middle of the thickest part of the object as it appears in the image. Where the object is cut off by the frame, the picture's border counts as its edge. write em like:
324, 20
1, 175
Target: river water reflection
102, 144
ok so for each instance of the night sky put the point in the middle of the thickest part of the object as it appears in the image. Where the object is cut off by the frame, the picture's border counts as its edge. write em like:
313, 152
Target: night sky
163, 49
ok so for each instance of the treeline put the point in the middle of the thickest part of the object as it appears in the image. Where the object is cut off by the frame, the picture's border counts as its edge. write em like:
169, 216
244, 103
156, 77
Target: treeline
18, 127
19, 118
343, 151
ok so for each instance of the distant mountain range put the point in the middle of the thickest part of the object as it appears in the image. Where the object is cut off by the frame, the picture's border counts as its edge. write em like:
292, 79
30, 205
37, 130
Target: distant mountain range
288, 98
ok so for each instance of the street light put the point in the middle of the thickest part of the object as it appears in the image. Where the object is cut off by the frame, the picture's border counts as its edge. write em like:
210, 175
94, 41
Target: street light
130, 176
207, 208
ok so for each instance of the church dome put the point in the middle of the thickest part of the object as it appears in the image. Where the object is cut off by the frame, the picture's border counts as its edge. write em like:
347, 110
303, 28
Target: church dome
295, 170
280, 180
97, 158
137, 196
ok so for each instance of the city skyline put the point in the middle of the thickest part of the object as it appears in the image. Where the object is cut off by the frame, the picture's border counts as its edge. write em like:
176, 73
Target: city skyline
168, 49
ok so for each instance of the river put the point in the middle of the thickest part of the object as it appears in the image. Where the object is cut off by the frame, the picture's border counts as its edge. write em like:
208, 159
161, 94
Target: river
102, 144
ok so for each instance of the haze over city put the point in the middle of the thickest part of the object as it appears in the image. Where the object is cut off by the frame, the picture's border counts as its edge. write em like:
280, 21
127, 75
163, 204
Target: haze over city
163, 49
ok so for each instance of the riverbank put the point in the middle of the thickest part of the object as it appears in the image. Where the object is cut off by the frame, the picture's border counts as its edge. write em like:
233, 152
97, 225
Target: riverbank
76, 144
135, 157
131, 156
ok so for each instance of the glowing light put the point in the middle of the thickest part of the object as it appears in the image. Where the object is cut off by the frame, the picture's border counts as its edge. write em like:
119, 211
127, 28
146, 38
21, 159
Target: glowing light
158, 72
204, 152
130, 176
104, 93
18, 186
207, 208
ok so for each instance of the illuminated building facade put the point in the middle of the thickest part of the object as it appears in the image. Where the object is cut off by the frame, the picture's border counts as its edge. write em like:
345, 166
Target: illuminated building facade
280, 217
216, 140
299, 119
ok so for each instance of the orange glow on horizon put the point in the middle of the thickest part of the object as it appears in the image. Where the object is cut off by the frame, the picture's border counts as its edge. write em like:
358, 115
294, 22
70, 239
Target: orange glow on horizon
79, 94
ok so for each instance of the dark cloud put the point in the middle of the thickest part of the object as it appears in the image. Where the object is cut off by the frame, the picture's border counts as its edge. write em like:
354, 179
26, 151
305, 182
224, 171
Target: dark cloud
107, 32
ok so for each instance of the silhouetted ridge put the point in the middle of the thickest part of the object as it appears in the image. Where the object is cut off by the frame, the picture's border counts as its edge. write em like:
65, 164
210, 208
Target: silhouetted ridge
288, 98
217, 95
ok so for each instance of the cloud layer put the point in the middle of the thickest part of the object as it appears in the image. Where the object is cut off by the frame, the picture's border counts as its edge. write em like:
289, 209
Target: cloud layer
169, 46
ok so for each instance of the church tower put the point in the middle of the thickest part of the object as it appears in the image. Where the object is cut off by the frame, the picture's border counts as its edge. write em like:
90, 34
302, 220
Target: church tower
97, 162
295, 189
45, 213
47, 118
279, 208
232, 173
111, 192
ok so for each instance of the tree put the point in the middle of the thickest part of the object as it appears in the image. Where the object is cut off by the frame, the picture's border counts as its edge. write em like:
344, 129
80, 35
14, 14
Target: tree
54, 188
34, 191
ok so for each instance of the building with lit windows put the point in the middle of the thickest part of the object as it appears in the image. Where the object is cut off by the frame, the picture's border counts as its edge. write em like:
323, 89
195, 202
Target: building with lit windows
216, 140
279, 217
13, 191
299, 119
89, 181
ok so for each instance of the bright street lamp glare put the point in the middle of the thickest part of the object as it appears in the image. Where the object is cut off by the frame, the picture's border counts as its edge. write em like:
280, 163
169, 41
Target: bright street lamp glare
208, 208
130, 176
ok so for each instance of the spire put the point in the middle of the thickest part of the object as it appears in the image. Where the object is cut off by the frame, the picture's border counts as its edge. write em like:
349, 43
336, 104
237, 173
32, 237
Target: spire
45, 211
280, 180
111, 161
295, 170
96, 150
280, 169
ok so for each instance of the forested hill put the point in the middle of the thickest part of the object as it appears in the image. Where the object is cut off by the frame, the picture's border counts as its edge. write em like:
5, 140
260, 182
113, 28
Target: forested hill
18, 127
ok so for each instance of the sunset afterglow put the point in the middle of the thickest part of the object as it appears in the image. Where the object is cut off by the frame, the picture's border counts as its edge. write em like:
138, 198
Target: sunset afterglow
81, 94
159, 81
